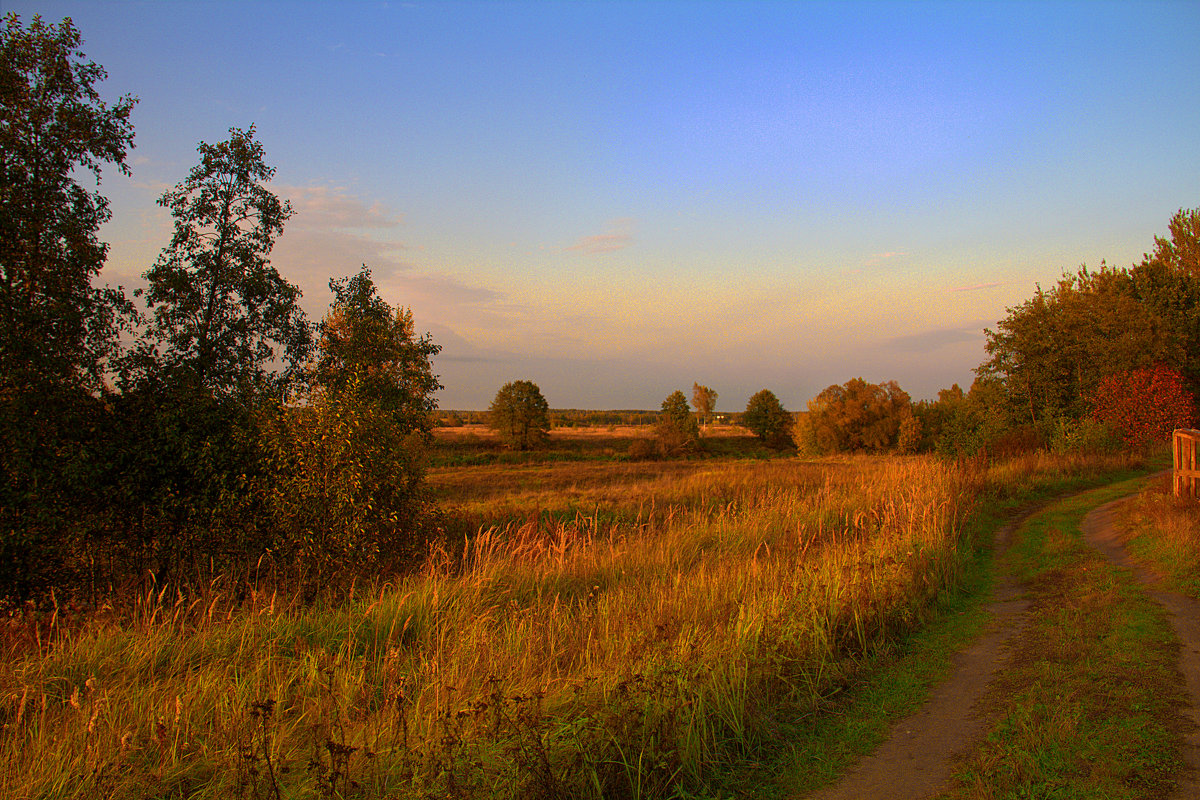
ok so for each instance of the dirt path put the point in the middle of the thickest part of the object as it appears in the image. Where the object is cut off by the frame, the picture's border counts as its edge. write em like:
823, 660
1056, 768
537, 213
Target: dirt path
915, 761
1100, 529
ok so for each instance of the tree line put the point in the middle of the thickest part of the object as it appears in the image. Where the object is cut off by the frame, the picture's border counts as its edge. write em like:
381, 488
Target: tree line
205, 425
227, 431
1104, 359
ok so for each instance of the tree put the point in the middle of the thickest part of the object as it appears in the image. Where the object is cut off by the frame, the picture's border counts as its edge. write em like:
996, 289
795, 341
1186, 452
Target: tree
934, 414
1144, 405
1168, 282
520, 415
677, 431
859, 416
766, 418
54, 325
1050, 352
704, 400
224, 314
57, 330
364, 344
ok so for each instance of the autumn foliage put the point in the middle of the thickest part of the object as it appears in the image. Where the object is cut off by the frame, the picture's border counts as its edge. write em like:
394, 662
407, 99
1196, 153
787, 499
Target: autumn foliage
1144, 405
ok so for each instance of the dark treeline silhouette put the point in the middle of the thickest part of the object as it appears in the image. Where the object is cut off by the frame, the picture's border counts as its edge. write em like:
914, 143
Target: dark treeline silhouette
230, 433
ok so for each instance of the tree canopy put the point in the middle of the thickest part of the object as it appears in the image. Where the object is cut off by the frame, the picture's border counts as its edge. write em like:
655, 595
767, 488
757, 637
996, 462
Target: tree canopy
1052, 352
767, 419
54, 324
228, 320
860, 416
1167, 281
520, 415
363, 343
677, 431
704, 400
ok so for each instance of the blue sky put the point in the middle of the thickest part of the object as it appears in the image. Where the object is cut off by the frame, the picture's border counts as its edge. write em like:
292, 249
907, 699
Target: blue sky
616, 199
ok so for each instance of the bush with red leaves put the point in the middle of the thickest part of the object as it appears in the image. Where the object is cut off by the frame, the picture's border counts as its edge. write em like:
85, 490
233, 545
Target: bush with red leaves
1144, 405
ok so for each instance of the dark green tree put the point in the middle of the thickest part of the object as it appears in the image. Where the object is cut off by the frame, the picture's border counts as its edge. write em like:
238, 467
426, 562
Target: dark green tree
970, 423
54, 324
677, 431
1050, 352
57, 330
520, 415
1167, 281
224, 316
767, 419
366, 344
225, 340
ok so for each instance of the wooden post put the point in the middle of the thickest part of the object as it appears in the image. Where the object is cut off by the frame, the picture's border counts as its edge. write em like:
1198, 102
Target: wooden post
1185, 444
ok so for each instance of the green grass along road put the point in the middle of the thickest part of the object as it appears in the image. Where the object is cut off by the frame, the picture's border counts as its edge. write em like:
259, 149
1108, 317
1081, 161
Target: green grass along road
1091, 702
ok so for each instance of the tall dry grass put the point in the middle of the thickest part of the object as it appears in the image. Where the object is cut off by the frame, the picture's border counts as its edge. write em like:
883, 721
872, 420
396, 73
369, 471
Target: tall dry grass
1164, 531
623, 652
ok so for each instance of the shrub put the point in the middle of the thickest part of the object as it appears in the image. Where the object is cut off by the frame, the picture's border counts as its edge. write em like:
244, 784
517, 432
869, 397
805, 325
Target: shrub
1144, 405
344, 485
641, 449
520, 415
1085, 435
767, 419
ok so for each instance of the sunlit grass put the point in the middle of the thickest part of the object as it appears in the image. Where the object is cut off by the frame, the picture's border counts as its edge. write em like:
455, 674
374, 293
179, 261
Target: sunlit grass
1164, 532
1088, 706
627, 635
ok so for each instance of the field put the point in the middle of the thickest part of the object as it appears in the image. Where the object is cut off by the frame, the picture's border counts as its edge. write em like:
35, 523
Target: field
592, 626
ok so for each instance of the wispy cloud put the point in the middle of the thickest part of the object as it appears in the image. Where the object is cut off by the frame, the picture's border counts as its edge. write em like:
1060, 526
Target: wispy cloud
977, 287
335, 207
441, 289
158, 187
879, 258
335, 231
618, 237
926, 341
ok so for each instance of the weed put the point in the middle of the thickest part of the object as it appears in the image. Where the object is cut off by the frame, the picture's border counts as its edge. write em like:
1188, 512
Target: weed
608, 629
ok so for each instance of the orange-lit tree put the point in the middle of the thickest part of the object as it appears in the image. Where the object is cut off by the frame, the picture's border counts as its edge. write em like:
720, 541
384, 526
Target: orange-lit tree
1144, 405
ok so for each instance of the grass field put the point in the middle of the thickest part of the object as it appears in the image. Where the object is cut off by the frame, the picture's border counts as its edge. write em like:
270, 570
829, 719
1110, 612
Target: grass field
608, 628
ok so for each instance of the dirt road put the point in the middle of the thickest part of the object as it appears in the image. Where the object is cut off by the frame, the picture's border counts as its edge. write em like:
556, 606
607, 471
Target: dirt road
1101, 531
916, 760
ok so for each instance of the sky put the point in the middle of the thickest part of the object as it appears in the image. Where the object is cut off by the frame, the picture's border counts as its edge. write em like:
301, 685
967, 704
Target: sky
618, 199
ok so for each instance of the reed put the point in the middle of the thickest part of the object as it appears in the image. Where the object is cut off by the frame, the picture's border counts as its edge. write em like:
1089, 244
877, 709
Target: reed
615, 638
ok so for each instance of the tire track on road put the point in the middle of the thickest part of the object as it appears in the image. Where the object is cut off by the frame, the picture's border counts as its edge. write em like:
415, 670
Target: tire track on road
917, 758
1101, 531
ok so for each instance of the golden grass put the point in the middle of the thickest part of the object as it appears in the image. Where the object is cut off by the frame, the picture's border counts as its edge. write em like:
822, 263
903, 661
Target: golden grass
623, 629
1164, 532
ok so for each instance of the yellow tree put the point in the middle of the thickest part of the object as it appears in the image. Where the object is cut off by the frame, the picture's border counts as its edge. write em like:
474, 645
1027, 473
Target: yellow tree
859, 416
704, 400
365, 345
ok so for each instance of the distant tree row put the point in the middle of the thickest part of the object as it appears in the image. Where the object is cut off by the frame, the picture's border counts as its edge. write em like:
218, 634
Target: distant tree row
1104, 359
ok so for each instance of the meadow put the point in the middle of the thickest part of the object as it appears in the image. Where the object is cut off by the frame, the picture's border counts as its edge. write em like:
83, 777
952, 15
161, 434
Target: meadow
590, 626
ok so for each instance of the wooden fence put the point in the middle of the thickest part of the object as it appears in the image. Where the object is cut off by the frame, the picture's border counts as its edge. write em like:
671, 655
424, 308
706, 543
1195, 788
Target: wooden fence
1185, 443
